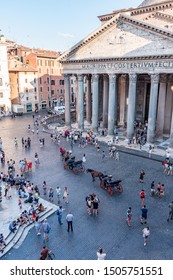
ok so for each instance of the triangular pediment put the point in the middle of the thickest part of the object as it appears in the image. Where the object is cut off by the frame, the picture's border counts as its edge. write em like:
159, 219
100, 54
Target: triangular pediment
124, 38
152, 2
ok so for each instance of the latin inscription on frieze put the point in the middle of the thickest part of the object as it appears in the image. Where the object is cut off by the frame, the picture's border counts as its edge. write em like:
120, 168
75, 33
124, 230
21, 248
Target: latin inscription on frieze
144, 65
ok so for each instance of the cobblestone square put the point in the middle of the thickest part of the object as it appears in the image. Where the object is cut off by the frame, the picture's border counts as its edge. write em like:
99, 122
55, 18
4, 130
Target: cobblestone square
109, 229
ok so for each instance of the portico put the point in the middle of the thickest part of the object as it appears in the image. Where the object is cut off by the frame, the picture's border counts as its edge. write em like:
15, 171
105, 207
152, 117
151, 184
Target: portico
125, 77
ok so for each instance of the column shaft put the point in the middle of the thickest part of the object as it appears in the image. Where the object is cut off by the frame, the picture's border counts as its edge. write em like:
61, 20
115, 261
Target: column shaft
80, 104
161, 106
122, 99
131, 105
67, 100
152, 108
112, 103
105, 100
88, 99
95, 103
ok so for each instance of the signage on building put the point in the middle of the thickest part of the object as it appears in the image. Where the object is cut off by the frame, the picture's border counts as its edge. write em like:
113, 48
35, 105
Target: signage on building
142, 65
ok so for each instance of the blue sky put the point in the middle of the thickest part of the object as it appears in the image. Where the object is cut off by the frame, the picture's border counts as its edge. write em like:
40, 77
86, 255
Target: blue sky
54, 24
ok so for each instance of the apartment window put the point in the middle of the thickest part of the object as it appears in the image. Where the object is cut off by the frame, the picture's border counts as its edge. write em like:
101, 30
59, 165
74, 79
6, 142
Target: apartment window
47, 80
41, 89
46, 62
26, 89
0, 81
1, 94
47, 88
40, 81
61, 82
71, 82
57, 91
52, 92
27, 98
26, 80
34, 80
39, 70
35, 89
39, 62
52, 82
35, 97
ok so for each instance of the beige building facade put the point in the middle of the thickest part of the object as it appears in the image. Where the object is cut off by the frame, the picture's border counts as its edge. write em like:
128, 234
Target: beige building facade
127, 66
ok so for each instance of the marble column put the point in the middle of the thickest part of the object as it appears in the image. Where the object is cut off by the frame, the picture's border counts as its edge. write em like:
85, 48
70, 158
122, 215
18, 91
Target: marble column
171, 133
100, 98
112, 107
131, 105
105, 100
88, 99
67, 100
80, 102
95, 78
76, 97
152, 108
123, 80
168, 105
161, 106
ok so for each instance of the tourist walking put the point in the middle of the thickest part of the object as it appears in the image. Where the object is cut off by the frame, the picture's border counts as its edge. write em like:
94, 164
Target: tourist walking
69, 219
65, 195
51, 194
142, 196
152, 190
44, 253
129, 216
44, 188
145, 234
58, 194
170, 216
38, 226
95, 206
144, 211
101, 254
103, 154
46, 229
84, 158
59, 214
141, 176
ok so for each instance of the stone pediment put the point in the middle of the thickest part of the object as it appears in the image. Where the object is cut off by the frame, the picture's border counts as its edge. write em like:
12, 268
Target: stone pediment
152, 2
122, 37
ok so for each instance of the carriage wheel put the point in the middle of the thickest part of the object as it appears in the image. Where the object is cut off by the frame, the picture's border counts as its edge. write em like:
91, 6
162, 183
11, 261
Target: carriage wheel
75, 170
110, 191
82, 169
120, 188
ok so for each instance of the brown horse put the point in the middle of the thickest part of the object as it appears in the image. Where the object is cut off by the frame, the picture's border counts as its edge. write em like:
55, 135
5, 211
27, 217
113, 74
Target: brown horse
94, 174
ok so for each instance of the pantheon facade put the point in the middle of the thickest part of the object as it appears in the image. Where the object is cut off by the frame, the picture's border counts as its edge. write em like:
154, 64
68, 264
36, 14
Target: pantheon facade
124, 71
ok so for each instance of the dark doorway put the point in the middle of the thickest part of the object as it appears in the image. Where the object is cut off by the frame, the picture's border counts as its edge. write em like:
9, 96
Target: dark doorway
147, 101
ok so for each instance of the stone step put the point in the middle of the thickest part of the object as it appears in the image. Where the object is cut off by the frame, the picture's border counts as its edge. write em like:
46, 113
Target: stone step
14, 240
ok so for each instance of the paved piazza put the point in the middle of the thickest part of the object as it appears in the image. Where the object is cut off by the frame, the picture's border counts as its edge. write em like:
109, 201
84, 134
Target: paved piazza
109, 229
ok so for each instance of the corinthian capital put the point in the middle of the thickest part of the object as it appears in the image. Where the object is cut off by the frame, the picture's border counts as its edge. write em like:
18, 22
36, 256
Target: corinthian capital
154, 78
133, 78
66, 77
95, 77
112, 77
80, 77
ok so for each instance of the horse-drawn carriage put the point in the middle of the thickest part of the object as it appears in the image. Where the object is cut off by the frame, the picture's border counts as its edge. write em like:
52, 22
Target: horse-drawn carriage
110, 184
106, 181
76, 166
